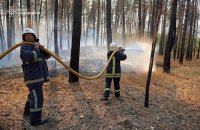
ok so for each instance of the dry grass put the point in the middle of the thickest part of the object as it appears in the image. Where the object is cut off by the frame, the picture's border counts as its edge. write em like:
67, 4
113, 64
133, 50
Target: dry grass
174, 102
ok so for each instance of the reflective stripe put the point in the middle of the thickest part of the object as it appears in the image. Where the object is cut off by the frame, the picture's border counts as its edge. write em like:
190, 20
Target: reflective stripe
109, 74
34, 81
113, 67
114, 76
117, 75
117, 91
35, 99
107, 89
37, 60
35, 55
35, 110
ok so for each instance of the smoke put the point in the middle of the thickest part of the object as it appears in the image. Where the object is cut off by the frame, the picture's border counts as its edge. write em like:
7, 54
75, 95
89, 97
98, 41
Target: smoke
93, 59
138, 56
11, 61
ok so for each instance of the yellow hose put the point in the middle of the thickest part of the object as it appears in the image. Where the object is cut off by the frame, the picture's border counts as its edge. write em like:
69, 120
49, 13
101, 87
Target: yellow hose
59, 60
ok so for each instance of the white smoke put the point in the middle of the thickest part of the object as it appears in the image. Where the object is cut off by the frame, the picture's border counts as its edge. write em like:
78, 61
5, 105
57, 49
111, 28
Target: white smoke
138, 56
94, 58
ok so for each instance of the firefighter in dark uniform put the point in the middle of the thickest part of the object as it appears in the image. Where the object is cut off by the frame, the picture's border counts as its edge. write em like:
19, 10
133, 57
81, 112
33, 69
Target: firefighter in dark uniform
113, 71
35, 74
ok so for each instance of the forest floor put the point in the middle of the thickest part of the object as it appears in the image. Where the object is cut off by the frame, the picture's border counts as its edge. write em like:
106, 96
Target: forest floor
174, 102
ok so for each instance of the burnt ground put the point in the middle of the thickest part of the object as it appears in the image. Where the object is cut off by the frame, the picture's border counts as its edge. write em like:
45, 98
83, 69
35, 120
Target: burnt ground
174, 102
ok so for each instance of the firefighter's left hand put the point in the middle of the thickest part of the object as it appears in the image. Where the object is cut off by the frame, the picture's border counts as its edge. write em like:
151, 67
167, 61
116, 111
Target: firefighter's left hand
36, 45
121, 49
41, 46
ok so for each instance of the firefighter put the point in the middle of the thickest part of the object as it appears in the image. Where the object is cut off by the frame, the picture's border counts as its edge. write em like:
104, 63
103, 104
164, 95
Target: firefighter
113, 71
35, 74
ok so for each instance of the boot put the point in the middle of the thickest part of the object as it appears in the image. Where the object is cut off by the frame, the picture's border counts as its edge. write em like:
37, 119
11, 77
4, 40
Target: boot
27, 109
118, 97
40, 123
104, 98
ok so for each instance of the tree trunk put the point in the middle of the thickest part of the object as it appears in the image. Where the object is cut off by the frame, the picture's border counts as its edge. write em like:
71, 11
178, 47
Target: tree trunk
154, 36
38, 21
184, 33
153, 17
61, 25
189, 47
162, 38
22, 24
9, 33
36, 18
116, 19
94, 19
123, 25
83, 24
8, 24
46, 24
105, 24
98, 23
56, 28
102, 23
108, 23
150, 15
90, 16
139, 16
76, 37
198, 50
12, 25
194, 30
29, 22
68, 24
88, 24
175, 46
196, 26
180, 24
176, 39
171, 38
144, 17
2, 38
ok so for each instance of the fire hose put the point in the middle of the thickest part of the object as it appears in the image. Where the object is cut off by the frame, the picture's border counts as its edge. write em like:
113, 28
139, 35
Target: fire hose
59, 60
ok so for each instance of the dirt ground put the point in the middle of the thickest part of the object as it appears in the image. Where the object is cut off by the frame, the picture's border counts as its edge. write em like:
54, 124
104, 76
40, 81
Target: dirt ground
174, 102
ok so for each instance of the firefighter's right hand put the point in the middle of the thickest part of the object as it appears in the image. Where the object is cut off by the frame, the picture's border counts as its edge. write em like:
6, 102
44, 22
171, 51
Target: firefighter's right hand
36, 45
121, 49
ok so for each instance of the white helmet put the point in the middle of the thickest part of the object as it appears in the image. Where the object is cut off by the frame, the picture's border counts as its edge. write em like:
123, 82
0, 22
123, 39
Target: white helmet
28, 30
113, 46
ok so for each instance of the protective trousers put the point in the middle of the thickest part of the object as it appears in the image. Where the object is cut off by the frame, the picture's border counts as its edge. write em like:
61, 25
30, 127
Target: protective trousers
35, 103
116, 86
27, 105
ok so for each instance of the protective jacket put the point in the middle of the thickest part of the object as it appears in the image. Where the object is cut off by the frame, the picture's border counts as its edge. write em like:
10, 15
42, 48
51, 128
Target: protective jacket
114, 68
34, 65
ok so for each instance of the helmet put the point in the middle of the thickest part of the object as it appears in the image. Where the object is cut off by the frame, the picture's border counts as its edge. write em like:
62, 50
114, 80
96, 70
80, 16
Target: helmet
28, 30
113, 46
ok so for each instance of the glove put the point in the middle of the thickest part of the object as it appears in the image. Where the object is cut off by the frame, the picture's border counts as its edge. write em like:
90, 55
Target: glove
121, 49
